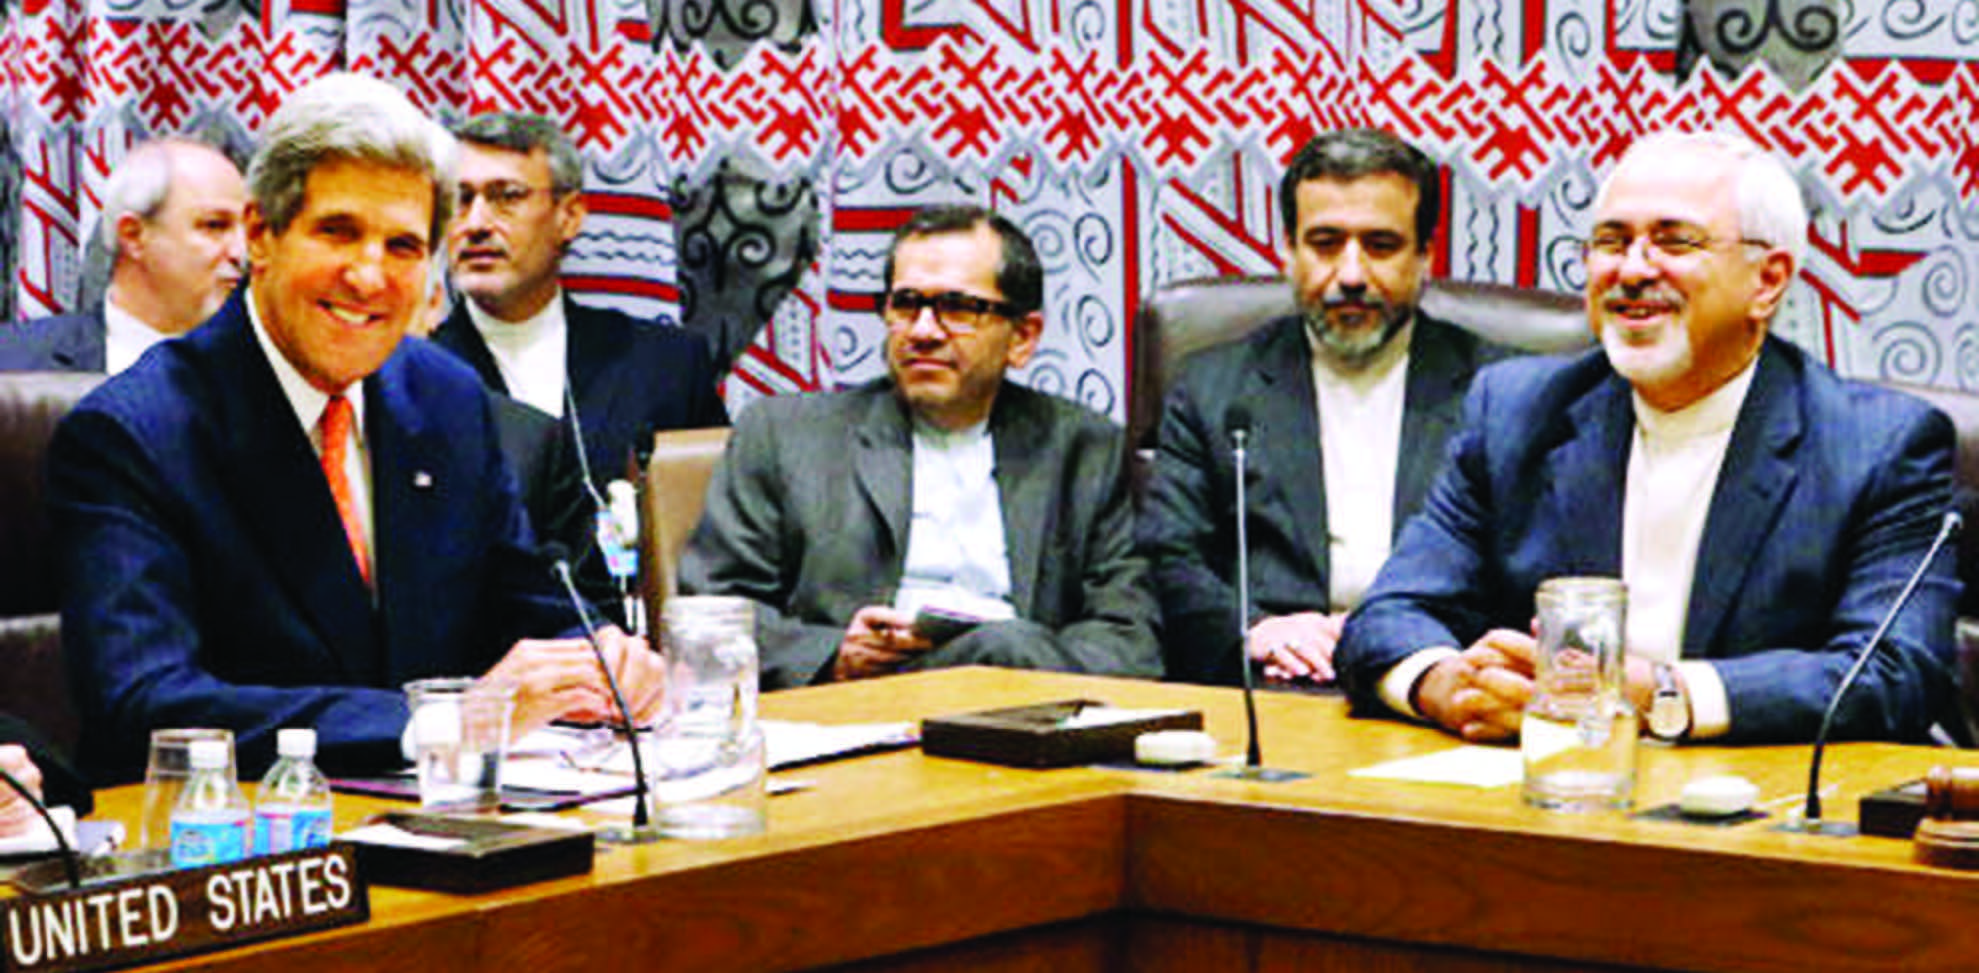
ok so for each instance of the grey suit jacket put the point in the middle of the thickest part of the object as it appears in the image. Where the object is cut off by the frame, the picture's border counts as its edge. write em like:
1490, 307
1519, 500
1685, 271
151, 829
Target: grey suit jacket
1188, 520
808, 515
62, 343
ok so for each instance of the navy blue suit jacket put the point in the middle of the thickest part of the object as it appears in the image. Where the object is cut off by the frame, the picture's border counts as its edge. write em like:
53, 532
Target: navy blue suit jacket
1187, 527
63, 343
1830, 493
631, 378
207, 580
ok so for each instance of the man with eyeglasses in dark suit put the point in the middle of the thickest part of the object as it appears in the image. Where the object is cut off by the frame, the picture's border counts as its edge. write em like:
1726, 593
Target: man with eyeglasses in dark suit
943, 515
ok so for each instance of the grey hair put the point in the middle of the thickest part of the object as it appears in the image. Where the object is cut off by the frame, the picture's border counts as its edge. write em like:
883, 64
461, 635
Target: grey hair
140, 185
1766, 194
525, 132
348, 117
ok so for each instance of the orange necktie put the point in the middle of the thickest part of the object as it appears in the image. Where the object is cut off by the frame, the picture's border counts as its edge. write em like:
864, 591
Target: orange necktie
335, 428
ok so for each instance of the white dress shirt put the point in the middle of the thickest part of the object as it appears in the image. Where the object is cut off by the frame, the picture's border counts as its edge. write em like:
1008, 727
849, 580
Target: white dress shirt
530, 353
955, 540
125, 338
1360, 442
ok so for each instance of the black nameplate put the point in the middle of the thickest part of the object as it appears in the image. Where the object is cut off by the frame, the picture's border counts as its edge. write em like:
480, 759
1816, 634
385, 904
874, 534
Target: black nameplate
179, 913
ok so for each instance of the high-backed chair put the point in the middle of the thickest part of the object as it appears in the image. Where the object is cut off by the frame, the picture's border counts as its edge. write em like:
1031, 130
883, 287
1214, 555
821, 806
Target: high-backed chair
1189, 315
33, 683
677, 478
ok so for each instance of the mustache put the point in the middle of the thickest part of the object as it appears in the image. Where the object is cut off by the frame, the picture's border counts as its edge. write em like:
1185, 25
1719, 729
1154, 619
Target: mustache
1334, 300
1658, 292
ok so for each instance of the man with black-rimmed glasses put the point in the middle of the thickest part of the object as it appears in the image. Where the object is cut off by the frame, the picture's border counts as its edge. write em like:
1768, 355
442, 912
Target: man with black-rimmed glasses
943, 515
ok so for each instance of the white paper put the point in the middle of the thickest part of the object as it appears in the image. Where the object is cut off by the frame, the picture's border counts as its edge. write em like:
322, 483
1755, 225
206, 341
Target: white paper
1469, 766
37, 838
391, 835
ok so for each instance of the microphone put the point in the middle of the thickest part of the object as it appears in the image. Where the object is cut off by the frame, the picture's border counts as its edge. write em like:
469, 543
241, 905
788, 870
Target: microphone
642, 830
1811, 819
1237, 424
70, 863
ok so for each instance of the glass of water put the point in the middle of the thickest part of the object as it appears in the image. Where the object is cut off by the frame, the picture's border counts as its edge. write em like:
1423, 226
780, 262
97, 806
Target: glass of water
1578, 736
709, 767
460, 736
165, 776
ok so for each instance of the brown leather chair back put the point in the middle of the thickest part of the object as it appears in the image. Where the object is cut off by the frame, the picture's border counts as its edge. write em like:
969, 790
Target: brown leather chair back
1189, 315
677, 478
33, 683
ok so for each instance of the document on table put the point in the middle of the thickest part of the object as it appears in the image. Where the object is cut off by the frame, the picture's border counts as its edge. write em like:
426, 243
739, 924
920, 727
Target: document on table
1468, 765
595, 761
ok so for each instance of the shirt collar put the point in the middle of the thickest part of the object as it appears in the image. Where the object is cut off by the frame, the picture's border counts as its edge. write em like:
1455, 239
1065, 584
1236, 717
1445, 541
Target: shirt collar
307, 400
517, 334
125, 337
1715, 413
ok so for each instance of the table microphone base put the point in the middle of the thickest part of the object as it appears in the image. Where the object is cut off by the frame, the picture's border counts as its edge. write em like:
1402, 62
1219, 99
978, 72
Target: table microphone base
1819, 826
625, 834
1261, 775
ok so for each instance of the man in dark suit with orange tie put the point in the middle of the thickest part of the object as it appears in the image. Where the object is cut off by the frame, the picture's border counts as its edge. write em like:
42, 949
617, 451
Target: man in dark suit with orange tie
279, 519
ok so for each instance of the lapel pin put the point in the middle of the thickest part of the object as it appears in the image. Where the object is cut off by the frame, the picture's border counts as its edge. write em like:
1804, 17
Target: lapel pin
422, 480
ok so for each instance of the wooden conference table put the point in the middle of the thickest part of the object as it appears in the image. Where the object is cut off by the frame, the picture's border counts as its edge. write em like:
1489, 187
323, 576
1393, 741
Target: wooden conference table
904, 862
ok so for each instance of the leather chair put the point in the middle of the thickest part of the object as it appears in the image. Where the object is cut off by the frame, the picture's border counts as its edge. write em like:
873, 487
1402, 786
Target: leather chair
1190, 315
676, 488
1963, 408
35, 686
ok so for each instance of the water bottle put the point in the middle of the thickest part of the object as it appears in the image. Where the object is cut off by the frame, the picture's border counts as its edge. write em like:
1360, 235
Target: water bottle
292, 806
209, 824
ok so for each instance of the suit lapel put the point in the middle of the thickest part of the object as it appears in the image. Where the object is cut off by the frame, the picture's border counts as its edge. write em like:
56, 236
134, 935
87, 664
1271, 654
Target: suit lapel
403, 495
885, 467
1023, 489
458, 335
1582, 478
1754, 481
1431, 405
279, 489
1285, 456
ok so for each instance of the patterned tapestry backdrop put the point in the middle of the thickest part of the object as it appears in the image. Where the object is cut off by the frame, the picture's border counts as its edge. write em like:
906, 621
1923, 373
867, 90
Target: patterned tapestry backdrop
748, 157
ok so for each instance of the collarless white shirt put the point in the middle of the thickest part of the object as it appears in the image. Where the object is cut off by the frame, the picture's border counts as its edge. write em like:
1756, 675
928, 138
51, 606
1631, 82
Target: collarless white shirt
530, 354
125, 338
1360, 443
1674, 462
307, 401
955, 537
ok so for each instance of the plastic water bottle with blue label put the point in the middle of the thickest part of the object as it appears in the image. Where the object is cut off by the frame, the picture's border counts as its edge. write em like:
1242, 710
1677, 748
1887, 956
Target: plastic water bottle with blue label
292, 806
210, 822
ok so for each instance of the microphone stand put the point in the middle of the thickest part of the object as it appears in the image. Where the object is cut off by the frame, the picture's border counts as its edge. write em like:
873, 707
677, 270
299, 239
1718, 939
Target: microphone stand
1239, 423
642, 830
1810, 821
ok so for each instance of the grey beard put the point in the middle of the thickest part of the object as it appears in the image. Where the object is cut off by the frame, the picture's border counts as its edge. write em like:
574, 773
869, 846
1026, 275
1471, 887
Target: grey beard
1355, 350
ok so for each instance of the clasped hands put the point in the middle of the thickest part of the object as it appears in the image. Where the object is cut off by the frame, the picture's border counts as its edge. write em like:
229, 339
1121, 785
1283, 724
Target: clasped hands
1481, 692
559, 679
1297, 647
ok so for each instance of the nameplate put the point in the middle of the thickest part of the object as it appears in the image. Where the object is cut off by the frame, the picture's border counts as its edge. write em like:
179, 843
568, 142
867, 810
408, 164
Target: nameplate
179, 913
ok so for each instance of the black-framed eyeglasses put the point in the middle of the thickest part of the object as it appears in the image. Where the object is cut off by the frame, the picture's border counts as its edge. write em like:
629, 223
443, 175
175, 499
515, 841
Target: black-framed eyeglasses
1669, 242
502, 196
955, 311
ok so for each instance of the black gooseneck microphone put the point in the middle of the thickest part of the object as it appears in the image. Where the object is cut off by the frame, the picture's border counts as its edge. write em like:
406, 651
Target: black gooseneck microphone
1237, 424
642, 830
1811, 819
70, 863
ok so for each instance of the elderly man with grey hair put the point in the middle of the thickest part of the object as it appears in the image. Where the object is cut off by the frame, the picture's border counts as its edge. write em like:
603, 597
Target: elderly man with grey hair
171, 223
1763, 512
613, 379
283, 517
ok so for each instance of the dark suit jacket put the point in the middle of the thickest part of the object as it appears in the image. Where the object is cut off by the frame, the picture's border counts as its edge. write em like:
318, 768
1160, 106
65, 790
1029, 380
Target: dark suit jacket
808, 515
60, 784
207, 580
543, 455
631, 378
1829, 496
63, 343
1187, 526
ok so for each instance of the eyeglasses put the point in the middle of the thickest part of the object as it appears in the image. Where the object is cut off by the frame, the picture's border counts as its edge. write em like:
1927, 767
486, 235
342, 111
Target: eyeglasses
956, 312
503, 197
1674, 242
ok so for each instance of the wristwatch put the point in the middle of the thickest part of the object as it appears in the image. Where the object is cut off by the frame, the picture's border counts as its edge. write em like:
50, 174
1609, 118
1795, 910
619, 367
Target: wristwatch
1669, 709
